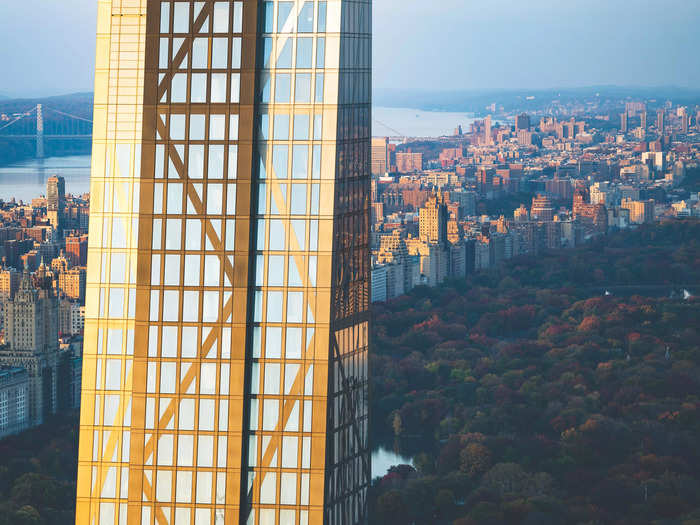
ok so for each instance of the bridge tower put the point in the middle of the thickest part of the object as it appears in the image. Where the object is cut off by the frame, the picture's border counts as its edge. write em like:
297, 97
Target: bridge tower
39, 132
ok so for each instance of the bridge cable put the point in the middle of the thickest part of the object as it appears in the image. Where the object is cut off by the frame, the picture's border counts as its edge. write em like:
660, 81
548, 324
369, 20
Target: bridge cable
69, 115
17, 119
398, 133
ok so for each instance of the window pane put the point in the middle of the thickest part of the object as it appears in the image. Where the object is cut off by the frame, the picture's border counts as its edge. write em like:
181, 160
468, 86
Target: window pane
218, 87
304, 52
319, 87
233, 128
316, 169
214, 198
300, 162
299, 229
231, 200
238, 17
285, 22
232, 162
221, 17
217, 127
322, 17
301, 127
306, 18
302, 91
281, 127
219, 54
272, 379
267, 52
268, 17
284, 55
280, 157
235, 88
274, 307
265, 83
164, 17
295, 307
283, 88
216, 162
200, 50
197, 127
318, 126
236, 53
196, 162
197, 11
174, 198
315, 199
199, 87
163, 56
321, 53
191, 270
298, 199
193, 234
275, 271
177, 127
181, 19
294, 273
178, 88
277, 237
230, 234
293, 346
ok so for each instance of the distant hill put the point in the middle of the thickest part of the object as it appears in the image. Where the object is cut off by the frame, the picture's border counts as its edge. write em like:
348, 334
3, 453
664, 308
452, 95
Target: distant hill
523, 99
79, 104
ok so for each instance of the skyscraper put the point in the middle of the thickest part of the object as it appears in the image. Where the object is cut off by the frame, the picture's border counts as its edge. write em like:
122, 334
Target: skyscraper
643, 120
56, 201
432, 225
542, 208
380, 155
226, 335
522, 122
623, 122
488, 137
660, 123
685, 120
31, 336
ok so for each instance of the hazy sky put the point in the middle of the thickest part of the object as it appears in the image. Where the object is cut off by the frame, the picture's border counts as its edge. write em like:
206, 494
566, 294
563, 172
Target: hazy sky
47, 46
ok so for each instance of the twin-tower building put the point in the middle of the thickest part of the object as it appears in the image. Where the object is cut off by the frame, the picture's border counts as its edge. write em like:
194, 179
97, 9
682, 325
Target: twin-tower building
225, 362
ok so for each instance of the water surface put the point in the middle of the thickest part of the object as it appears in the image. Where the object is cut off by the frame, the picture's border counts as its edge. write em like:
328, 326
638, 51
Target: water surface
416, 123
26, 180
383, 459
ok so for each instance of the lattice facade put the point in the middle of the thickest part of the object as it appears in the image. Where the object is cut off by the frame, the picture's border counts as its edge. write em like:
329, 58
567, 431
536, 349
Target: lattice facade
226, 336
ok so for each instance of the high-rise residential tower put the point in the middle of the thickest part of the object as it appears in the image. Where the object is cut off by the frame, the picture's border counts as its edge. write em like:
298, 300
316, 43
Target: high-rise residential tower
488, 137
660, 121
226, 332
31, 340
623, 122
522, 122
56, 201
380, 155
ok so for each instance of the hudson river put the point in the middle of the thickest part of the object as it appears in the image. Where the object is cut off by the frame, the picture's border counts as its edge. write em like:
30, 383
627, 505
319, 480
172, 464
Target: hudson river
27, 180
416, 123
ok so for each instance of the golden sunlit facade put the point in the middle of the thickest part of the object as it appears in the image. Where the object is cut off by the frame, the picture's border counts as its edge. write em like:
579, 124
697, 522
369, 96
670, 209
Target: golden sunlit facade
226, 334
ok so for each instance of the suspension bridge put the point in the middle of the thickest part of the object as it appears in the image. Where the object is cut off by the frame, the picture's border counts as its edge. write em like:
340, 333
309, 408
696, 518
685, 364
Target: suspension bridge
34, 125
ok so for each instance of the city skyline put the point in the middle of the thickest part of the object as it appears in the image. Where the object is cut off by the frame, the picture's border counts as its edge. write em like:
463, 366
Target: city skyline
556, 42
